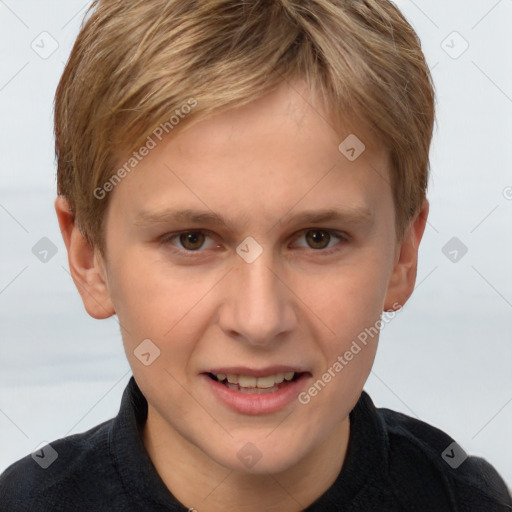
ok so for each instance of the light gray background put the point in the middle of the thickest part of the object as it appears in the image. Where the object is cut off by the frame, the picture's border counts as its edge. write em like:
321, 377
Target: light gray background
445, 358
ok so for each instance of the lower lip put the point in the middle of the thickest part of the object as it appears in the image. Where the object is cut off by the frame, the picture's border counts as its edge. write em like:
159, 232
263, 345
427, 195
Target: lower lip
265, 403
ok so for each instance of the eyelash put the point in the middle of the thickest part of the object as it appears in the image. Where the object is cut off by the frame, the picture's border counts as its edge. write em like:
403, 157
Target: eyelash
169, 237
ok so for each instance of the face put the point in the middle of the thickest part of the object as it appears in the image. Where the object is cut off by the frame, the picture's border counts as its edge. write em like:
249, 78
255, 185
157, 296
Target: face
249, 245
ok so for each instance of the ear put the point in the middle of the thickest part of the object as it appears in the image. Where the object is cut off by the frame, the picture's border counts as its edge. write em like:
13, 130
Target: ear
403, 277
85, 264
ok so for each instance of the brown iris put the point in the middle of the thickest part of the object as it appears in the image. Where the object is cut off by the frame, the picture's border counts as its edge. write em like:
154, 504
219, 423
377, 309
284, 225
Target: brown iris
318, 239
192, 240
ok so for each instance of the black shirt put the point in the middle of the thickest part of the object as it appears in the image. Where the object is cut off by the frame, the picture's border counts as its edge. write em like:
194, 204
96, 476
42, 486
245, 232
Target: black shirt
393, 463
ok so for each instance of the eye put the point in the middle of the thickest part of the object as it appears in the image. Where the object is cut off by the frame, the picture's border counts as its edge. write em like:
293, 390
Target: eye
321, 239
188, 240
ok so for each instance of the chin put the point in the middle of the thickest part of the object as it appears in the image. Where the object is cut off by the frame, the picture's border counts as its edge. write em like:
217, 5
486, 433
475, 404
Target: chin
255, 458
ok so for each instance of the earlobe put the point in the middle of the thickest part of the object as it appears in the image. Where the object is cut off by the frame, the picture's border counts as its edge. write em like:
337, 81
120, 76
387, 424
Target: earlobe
85, 264
403, 277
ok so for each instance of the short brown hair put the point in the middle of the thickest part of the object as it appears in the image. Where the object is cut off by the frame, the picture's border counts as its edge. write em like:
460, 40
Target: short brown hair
135, 62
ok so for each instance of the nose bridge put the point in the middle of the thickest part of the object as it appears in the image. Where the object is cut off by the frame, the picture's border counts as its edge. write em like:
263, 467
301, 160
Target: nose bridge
261, 307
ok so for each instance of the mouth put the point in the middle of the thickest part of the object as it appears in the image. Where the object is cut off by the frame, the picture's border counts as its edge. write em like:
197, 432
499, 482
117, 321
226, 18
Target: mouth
256, 391
250, 384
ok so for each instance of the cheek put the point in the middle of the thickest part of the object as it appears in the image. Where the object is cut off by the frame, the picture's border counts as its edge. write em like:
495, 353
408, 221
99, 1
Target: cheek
349, 298
141, 299
350, 305
153, 303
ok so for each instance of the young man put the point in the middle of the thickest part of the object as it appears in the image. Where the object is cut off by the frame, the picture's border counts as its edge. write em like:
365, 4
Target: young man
244, 185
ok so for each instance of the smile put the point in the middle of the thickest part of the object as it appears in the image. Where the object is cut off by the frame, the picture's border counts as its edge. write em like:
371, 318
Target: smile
248, 394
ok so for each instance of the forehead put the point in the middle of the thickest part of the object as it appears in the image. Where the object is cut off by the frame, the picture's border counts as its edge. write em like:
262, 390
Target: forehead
277, 153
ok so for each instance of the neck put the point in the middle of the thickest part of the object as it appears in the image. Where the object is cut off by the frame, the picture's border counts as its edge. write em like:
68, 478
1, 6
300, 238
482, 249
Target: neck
200, 483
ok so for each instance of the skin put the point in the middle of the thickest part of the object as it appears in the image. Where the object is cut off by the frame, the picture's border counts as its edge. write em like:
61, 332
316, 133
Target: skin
257, 166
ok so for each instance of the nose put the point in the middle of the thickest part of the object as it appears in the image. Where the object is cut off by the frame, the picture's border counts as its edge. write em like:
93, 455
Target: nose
259, 307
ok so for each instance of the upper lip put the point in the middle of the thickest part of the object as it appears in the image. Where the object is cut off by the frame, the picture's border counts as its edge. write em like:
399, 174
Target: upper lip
255, 372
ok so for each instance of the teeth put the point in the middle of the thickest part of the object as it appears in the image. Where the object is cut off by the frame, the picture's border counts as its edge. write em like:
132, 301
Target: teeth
248, 381
253, 391
264, 382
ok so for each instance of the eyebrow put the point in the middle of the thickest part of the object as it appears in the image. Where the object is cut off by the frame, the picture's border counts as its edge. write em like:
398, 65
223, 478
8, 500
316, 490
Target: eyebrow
352, 215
